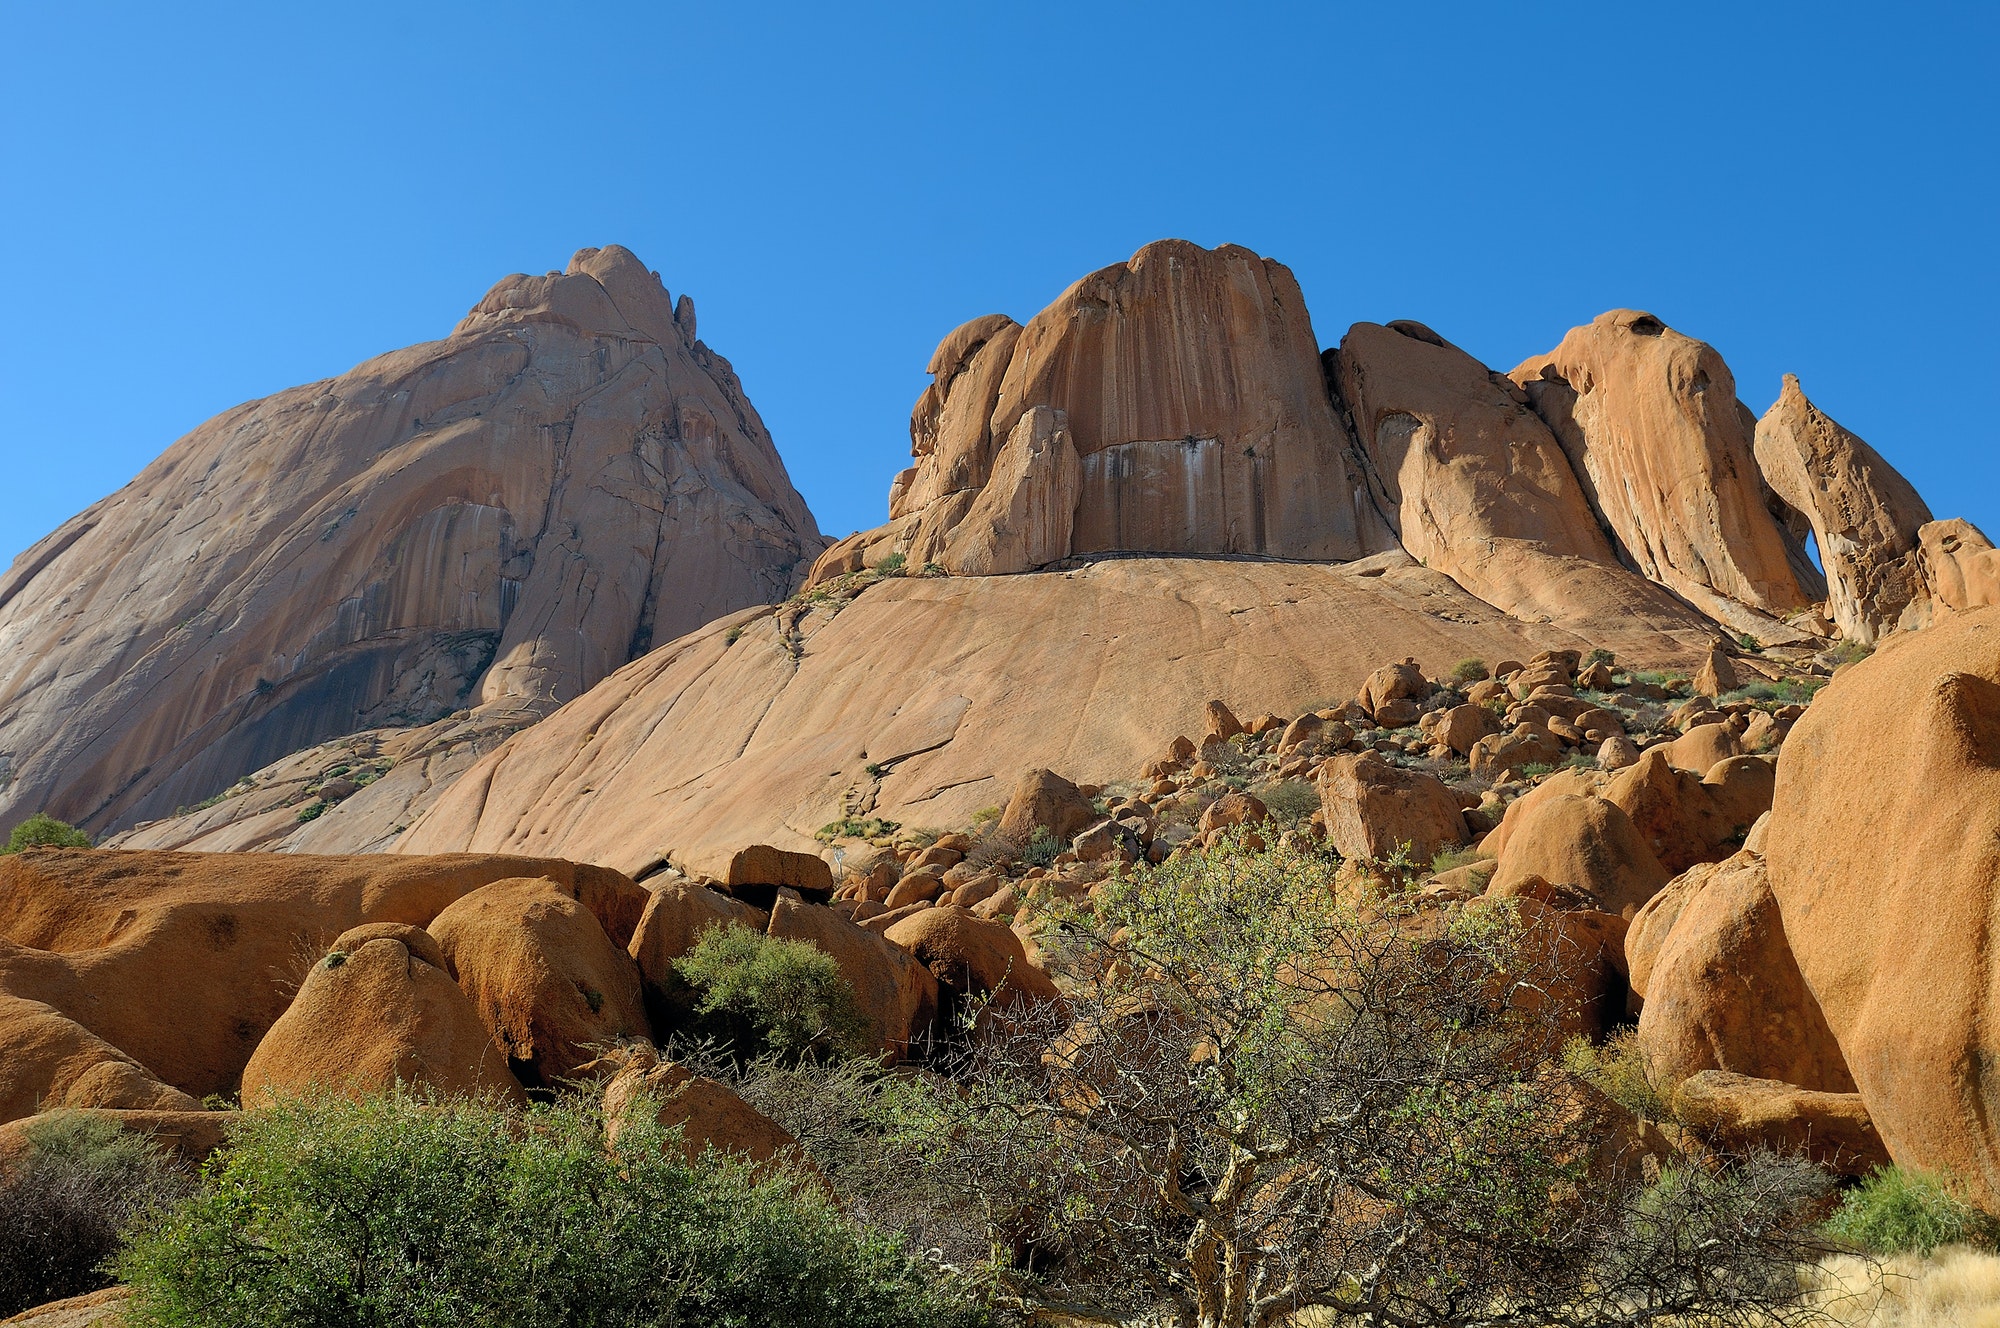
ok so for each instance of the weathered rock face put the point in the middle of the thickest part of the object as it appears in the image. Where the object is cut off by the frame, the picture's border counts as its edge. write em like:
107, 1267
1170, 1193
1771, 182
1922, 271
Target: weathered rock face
1476, 485
1961, 568
1189, 382
184, 961
379, 1009
543, 976
1723, 991
1865, 516
504, 516
950, 689
1884, 853
1651, 424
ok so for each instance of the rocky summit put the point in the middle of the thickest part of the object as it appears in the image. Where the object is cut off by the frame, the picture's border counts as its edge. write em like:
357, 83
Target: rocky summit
492, 721
490, 522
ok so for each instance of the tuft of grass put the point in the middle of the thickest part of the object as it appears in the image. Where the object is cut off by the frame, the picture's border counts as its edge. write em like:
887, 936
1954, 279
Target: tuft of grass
1749, 643
312, 811
890, 566
849, 827
1536, 769
1617, 1070
1897, 1211
732, 636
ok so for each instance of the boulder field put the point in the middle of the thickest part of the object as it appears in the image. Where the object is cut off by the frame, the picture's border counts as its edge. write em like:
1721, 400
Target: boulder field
498, 519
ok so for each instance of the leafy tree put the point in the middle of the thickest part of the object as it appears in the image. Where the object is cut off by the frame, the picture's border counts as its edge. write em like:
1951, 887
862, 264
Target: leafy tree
44, 831
768, 994
397, 1210
1264, 1095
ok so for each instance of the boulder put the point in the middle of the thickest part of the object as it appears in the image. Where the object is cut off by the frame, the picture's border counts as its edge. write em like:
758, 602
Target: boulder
499, 518
1864, 515
709, 1115
1584, 844
1508, 755
1460, 727
1373, 808
1961, 568
1566, 973
1717, 673
761, 870
1740, 1112
1884, 855
1108, 839
188, 1135
676, 917
1222, 724
380, 1009
917, 887
1392, 682
1043, 799
1723, 991
895, 992
183, 961
972, 956
1687, 819
1653, 431
547, 982
1232, 810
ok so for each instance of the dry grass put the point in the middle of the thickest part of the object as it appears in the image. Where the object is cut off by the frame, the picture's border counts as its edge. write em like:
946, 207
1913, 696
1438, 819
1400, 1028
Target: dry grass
1955, 1288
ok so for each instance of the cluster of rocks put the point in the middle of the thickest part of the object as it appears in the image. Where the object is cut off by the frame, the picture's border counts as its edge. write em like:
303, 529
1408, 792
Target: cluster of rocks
145, 983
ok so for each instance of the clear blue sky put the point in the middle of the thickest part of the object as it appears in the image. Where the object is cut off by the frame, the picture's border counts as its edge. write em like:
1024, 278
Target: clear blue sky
205, 204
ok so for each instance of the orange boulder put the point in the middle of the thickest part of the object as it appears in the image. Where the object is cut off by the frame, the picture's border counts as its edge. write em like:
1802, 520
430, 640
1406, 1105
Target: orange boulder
545, 979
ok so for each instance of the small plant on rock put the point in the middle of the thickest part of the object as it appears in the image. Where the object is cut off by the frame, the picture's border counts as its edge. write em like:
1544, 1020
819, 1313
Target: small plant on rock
1469, 670
890, 566
1291, 802
1599, 655
765, 994
44, 831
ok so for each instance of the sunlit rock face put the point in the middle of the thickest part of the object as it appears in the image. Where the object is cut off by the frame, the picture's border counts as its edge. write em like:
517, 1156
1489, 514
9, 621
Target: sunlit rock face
502, 517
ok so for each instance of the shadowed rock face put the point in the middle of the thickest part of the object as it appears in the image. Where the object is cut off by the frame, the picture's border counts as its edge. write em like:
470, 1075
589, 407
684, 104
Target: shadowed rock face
1653, 429
502, 517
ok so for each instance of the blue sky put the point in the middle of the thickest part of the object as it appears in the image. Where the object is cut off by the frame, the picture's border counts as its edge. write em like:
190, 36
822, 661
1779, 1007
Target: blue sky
205, 204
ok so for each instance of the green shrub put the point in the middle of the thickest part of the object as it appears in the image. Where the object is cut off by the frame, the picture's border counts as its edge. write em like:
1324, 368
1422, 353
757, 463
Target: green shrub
1292, 801
770, 995
64, 1205
851, 827
1895, 1211
1599, 655
44, 831
1042, 847
398, 1210
1749, 642
890, 566
732, 636
1617, 1070
1536, 769
312, 811
1469, 670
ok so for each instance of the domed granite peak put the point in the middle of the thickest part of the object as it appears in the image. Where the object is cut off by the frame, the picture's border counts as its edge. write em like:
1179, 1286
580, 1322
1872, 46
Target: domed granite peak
500, 518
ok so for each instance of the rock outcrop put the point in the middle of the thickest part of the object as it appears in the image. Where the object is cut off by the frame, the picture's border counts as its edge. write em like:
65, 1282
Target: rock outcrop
1476, 486
1185, 383
1884, 855
1961, 567
1651, 424
499, 518
1864, 515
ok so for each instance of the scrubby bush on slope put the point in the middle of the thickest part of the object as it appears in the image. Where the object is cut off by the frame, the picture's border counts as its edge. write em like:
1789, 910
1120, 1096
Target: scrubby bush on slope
328, 1213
